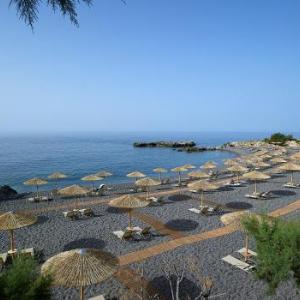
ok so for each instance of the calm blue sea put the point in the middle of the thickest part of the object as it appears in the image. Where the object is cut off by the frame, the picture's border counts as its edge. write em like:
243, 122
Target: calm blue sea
77, 155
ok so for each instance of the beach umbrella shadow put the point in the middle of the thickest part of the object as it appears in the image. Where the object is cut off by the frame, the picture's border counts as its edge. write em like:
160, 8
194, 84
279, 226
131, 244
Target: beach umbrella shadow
84, 243
182, 224
116, 210
239, 205
188, 289
42, 219
284, 193
179, 197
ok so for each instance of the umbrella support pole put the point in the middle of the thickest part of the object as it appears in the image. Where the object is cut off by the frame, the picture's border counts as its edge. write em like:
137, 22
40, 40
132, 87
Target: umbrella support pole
255, 187
12, 243
179, 178
81, 292
130, 222
292, 178
201, 199
246, 247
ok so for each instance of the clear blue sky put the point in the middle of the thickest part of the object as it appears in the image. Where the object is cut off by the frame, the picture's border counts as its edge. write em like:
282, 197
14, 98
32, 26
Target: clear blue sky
190, 65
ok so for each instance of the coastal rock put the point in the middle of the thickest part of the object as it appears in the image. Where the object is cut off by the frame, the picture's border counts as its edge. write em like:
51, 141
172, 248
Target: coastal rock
166, 144
6, 192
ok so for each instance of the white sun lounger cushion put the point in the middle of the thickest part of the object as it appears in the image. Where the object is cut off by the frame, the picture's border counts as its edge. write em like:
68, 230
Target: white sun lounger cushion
243, 250
291, 185
194, 210
237, 263
100, 297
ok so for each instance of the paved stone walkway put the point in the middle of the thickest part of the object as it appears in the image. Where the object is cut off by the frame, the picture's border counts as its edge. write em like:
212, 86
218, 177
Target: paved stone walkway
143, 254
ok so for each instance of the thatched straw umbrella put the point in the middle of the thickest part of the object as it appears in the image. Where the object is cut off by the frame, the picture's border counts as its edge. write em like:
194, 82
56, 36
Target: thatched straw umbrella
57, 176
256, 176
160, 171
103, 174
203, 185
235, 219
37, 182
92, 178
290, 167
229, 162
10, 221
237, 169
210, 165
136, 175
129, 202
79, 268
189, 166
73, 190
261, 165
278, 160
147, 183
198, 175
179, 170
295, 156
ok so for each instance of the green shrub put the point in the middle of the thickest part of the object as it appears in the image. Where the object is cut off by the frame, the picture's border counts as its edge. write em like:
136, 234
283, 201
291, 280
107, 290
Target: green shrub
279, 138
278, 250
22, 281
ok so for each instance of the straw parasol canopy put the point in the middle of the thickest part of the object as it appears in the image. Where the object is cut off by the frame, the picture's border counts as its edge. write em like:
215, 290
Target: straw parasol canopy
92, 177
73, 190
129, 202
203, 185
229, 162
136, 175
290, 167
80, 268
37, 182
147, 182
160, 171
10, 221
209, 165
57, 175
198, 174
179, 170
295, 156
189, 166
278, 160
261, 164
237, 169
103, 174
235, 219
256, 176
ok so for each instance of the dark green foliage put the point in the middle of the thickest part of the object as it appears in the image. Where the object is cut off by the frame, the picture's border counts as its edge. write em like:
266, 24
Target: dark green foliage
280, 138
278, 249
28, 9
22, 281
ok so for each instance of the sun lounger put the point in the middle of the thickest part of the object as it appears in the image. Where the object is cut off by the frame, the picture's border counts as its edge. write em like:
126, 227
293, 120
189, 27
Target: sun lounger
266, 195
237, 263
291, 185
203, 210
3, 258
250, 252
70, 214
146, 231
194, 191
27, 252
123, 235
253, 196
194, 210
99, 297
86, 212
